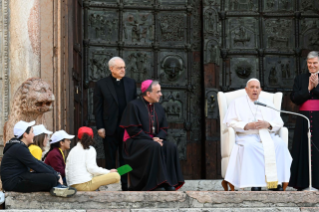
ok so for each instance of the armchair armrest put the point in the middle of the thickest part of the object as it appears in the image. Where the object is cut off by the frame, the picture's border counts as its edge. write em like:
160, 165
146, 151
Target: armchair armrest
228, 143
283, 134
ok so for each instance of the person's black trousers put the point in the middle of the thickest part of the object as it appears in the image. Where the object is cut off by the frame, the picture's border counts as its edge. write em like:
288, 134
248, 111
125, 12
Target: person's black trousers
112, 143
33, 182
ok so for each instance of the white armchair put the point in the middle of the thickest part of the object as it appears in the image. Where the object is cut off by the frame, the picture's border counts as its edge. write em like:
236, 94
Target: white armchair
227, 134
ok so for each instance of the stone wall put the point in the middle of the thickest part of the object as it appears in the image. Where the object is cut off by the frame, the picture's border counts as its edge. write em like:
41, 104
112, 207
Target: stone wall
33, 43
25, 45
4, 67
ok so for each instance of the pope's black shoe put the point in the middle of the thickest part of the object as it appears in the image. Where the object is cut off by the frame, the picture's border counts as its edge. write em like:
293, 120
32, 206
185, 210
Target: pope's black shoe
279, 188
255, 188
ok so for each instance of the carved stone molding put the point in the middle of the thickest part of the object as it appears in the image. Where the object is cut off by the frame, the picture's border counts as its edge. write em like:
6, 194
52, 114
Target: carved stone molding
4, 66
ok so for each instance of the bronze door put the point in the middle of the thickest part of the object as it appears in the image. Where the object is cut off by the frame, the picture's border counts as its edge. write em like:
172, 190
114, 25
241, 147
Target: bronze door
77, 65
158, 39
265, 39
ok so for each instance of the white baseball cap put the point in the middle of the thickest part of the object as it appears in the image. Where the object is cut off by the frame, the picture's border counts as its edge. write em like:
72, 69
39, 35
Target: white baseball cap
39, 129
59, 136
20, 128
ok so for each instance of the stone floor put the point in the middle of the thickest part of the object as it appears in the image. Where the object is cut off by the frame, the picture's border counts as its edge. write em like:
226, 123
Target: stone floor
196, 196
185, 210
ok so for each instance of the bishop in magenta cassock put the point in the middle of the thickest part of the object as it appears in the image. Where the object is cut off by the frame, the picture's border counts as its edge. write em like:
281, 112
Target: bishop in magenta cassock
154, 160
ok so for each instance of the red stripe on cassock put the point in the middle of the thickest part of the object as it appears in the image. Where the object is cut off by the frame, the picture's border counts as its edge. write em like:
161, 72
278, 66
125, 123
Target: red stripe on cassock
130, 126
310, 105
136, 134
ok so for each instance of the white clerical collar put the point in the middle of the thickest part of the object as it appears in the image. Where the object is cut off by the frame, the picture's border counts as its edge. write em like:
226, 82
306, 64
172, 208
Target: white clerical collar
118, 79
315, 73
250, 99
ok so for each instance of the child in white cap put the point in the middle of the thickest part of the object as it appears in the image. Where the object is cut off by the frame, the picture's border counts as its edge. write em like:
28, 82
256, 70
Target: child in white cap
60, 141
17, 160
41, 137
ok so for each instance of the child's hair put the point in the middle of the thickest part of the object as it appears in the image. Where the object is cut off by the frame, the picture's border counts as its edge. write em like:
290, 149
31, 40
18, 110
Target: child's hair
52, 146
39, 139
26, 131
86, 141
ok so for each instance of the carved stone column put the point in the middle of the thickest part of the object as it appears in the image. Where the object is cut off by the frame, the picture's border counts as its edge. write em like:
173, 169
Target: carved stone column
25, 41
4, 67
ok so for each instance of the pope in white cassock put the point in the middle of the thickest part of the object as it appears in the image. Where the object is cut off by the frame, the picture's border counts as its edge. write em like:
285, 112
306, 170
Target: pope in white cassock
259, 158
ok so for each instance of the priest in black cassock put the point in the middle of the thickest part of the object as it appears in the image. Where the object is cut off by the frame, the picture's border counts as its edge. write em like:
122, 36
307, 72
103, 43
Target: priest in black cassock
305, 94
154, 160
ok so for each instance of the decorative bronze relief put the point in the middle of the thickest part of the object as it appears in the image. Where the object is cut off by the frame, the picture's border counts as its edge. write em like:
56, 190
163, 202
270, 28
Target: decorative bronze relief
173, 67
307, 5
278, 33
213, 52
138, 2
178, 137
211, 21
242, 33
281, 71
104, 25
211, 2
275, 5
90, 93
98, 64
243, 69
211, 105
138, 65
310, 32
138, 27
242, 5
173, 106
172, 27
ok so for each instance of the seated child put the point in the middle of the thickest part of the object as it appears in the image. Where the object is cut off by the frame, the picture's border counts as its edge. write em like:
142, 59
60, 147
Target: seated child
41, 137
81, 170
17, 160
60, 141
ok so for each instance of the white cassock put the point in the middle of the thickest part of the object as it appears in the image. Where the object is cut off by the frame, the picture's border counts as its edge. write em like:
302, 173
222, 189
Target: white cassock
246, 167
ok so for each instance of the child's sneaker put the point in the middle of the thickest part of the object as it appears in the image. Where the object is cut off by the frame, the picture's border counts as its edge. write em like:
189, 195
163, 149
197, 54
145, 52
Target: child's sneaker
62, 191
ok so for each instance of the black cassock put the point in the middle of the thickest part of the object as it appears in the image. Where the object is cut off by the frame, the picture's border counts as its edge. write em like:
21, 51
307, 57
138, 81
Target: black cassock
153, 165
299, 168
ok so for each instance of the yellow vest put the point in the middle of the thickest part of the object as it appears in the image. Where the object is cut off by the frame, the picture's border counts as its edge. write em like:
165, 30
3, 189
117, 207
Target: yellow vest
36, 151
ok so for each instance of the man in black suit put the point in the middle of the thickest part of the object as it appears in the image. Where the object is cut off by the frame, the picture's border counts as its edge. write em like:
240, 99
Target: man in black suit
111, 95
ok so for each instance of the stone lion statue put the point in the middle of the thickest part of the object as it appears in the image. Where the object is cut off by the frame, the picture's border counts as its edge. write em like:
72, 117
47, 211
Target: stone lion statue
32, 99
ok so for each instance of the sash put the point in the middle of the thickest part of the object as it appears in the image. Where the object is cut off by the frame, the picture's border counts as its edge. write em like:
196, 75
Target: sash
127, 136
270, 158
310, 105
